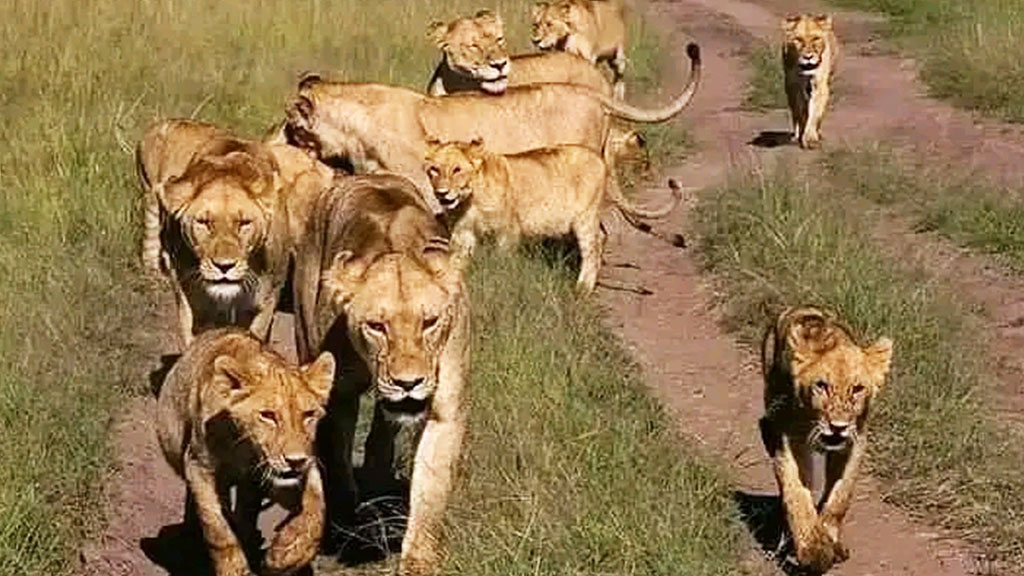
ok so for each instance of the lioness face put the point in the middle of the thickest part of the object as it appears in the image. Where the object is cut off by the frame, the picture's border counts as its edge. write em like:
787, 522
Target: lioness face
224, 226
399, 314
551, 25
475, 47
276, 407
451, 168
806, 38
835, 379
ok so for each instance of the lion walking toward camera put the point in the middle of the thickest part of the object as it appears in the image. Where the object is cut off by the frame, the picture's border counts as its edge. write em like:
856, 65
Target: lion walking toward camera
819, 385
809, 53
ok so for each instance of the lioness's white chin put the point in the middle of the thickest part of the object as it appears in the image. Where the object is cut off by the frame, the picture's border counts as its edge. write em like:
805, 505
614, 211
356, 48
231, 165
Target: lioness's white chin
223, 290
286, 483
495, 86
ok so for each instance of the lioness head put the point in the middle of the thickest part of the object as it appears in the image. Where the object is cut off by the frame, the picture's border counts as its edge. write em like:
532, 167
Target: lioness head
451, 167
275, 407
224, 204
475, 47
806, 40
834, 378
399, 308
553, 24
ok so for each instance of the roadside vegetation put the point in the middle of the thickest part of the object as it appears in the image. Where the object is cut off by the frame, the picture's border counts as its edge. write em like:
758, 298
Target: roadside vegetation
970, 51
786, 238
960, 207
572, 469
766, 88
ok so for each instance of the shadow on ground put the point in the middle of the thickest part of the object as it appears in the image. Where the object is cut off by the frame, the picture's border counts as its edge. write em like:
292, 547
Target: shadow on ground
772, 139
763, 516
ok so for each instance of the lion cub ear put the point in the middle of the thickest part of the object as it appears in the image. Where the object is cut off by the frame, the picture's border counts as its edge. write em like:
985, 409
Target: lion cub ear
824, 20
537, 10
437, 31
809, 333
320, 376
232, 381
879, 358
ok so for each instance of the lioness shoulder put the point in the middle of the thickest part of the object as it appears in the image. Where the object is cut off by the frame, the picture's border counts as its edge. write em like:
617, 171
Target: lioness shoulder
233, 413
809, 53
819, 386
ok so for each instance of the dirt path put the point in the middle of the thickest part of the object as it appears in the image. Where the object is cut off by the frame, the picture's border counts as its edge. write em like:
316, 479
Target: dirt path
710, 384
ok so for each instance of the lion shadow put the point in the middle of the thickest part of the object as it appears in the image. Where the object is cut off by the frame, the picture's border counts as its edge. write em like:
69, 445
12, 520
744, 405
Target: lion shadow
772, 139
764, 518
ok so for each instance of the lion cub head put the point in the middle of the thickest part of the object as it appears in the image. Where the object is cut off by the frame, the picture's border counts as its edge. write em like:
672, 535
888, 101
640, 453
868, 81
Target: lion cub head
833, 378
554, 24
224, 203
275, 407
475, 47
452, 167
805, 41
399, 307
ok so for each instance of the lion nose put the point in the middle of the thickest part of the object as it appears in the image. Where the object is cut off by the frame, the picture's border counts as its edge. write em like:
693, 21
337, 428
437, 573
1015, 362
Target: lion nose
224, 266
839, 427
499, 65
296, 463
408, 384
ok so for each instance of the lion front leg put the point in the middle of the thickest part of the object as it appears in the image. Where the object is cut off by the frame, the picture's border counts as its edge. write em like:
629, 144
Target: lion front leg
296, 542
812, 544
840, 476
815, 113
225, 550
590, 238
335, 438
186, 318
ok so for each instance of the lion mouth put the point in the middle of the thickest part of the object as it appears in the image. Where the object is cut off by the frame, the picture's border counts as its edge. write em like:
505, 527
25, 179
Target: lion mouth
407, 406
497, 86
447, 200
223, 288
833, 442
806, 67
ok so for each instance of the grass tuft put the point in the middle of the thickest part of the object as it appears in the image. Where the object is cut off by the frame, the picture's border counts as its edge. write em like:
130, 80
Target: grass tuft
777, 240
767, 89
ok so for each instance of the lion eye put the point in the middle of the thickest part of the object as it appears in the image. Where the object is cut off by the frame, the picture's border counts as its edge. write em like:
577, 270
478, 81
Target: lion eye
858, 389
433, 172
429, 322
269, 416
309, 415
456, 170
204, 222
378, 327
245, 223
821, 385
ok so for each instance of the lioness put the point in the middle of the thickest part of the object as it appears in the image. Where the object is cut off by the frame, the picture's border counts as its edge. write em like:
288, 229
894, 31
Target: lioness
819, 385
373, 126
595, 30
210, 204
233, 413
374, 286
809, 54
547, 192
474, 58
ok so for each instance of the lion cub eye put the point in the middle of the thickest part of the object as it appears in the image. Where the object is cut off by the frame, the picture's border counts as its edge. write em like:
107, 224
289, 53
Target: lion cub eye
309, 415
821, 386
858, 389
204, 221
433, 172
456, 170
429, 322
378, 327
245, 223
269, 415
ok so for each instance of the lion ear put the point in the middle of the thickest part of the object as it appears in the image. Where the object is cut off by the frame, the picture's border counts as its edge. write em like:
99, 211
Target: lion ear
320, 376
809, 333
437, 31
825, 21
232, 380
176, 194
537, 10
789, 24
301, 108
879, 358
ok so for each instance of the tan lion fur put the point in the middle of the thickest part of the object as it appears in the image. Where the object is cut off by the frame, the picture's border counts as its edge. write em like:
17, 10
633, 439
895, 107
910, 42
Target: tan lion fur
809, 53
474, 58
548, 192
375, 127
819, 386
374, 286
232, 413
212, 224
594, 30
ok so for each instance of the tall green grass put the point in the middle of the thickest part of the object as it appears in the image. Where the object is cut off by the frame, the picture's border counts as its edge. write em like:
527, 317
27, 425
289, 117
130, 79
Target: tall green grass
766, 88
79, 82
778, 240
970, 50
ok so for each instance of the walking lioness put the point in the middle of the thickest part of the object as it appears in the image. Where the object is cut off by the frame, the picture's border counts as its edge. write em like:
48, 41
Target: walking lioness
819, 385
809, 54
594, 30
541, 193
234, 414
374, 286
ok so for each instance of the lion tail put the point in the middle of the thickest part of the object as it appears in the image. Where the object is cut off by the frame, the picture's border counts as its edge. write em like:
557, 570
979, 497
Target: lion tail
635, 215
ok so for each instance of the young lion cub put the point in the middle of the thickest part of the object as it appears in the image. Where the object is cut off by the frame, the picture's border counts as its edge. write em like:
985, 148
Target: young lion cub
819, 384
808, 61
547, 192
233, 413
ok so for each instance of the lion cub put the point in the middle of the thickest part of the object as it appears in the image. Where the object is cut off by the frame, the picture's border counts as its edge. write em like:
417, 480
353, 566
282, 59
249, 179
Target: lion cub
547, 192
592, 29
233, 413
819, 385
809, 54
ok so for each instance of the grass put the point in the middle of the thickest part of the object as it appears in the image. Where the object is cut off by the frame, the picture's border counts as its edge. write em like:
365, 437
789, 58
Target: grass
766, 87
79, 83
776, 240
960, 207
970, 51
